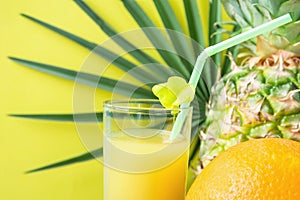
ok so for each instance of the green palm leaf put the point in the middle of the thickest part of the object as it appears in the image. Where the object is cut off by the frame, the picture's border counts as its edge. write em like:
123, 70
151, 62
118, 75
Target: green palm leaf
181, 44
77, 39
227, 62
81, 117
125, 44
88, 79
195, 25
108, 55
156, 37
210, 71
81, 158
215, 16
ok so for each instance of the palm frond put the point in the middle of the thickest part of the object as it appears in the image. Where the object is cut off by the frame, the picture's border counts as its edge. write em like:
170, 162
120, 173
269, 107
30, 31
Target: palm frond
215, 16
161, 43
195, 25
81, 158
138, 54
80, 117
227, 61
88, 79
117, 60
73, 37
181, 44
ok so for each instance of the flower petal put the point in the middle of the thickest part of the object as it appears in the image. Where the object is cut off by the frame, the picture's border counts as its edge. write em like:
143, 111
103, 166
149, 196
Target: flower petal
174, 93
186, 95
164, 94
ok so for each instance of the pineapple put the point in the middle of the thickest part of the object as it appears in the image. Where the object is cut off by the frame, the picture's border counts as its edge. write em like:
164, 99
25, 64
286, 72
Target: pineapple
260, 97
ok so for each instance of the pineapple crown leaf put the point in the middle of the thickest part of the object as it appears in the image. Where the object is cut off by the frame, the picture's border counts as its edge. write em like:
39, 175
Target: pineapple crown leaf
234, 11
255, 12
292, 7
263, 47
271, 6
251, 13
246, 13
220, 29
290, 31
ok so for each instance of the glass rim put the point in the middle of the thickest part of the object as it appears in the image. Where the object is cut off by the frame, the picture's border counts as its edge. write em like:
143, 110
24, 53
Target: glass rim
123, 105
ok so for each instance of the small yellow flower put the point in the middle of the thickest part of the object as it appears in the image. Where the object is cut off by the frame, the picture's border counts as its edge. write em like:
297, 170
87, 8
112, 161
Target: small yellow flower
174, 93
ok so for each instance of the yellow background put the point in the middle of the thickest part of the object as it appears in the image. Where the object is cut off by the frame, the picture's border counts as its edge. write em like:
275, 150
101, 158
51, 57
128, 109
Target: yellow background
28, 144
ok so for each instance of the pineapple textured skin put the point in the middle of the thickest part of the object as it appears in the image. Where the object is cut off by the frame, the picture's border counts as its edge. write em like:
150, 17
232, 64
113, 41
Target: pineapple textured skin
260, 97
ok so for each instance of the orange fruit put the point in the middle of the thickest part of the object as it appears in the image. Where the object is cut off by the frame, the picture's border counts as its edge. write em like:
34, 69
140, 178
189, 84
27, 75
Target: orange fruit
253, 170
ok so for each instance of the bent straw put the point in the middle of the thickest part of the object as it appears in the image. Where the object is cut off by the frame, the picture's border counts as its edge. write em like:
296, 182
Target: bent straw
209, 51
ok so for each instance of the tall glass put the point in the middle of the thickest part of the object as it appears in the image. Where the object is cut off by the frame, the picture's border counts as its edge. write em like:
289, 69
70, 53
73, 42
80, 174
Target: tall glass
140, 160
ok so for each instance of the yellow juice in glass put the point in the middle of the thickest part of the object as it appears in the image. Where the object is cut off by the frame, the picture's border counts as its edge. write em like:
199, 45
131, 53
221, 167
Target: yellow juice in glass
140, 164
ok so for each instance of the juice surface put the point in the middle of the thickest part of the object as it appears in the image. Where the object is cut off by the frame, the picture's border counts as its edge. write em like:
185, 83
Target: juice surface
144, 168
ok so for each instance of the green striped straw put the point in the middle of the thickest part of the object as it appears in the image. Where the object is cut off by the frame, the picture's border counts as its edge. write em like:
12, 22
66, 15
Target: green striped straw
209, 51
